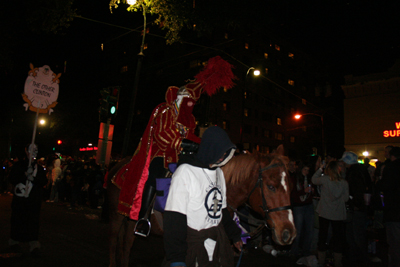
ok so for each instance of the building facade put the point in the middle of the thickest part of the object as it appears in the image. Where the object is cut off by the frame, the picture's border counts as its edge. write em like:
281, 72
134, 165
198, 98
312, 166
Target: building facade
372, 112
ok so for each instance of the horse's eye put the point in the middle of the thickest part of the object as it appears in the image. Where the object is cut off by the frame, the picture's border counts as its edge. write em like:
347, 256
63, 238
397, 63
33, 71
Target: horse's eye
271, 187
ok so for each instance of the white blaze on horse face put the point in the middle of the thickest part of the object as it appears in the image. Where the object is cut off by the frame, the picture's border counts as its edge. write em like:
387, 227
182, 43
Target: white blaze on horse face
290, 216
283, 182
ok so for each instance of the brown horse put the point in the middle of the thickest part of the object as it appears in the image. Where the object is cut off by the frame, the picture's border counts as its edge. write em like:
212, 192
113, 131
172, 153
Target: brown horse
260, 181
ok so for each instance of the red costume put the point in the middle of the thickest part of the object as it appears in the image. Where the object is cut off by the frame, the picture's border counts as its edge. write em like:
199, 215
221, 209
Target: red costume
169, 124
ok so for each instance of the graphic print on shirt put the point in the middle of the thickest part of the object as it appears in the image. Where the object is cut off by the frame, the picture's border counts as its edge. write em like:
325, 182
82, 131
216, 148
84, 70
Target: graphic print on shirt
213, 205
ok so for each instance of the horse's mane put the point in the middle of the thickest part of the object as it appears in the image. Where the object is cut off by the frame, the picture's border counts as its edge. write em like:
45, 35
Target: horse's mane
240, 167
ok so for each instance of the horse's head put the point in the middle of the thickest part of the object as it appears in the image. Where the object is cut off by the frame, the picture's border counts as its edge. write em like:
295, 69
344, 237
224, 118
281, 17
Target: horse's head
271, 196
263, 182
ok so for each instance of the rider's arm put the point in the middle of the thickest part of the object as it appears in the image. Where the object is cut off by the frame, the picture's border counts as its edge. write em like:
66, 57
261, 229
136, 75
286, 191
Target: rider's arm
175, 245
231, 228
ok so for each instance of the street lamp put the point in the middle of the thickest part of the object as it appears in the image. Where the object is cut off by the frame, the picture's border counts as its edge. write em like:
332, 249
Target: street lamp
298, 116
244, 96
42, 122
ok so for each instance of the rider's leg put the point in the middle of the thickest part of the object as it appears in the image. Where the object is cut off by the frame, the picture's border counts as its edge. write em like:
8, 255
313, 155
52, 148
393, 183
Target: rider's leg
156, 170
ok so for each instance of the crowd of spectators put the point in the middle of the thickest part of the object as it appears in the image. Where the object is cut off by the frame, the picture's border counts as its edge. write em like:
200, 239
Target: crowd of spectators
342, 206
367, 201
74, 182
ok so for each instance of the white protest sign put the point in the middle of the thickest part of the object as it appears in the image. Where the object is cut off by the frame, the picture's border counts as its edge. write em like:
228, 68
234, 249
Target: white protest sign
41, 89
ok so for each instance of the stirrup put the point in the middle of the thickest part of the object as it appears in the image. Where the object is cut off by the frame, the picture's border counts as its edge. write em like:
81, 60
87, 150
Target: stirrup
141, 231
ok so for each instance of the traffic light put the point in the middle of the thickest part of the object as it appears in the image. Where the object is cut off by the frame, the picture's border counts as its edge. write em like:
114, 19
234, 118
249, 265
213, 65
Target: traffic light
113, 100
108, 103
103, 109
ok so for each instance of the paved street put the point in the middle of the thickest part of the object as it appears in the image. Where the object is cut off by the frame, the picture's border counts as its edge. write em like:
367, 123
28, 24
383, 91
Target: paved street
76, 238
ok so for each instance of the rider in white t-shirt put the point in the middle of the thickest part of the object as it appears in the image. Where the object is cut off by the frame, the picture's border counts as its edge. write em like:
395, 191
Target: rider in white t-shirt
196, 220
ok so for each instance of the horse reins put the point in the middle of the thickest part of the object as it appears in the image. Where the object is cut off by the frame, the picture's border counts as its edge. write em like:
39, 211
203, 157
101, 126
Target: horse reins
260, 184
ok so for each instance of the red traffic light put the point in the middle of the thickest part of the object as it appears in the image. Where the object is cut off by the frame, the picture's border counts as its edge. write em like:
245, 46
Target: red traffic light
59, 142
115, 92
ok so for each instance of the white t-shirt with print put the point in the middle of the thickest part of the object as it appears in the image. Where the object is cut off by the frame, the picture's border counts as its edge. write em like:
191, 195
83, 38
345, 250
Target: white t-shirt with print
196, 193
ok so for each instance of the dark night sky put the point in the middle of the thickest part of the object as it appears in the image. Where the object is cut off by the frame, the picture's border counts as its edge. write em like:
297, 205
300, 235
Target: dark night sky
351, 37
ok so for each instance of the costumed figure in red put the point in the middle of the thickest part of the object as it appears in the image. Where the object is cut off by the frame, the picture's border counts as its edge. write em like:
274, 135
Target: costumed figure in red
170, 129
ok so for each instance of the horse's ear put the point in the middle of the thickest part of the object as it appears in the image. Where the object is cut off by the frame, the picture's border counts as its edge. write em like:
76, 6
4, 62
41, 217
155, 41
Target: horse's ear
280, 150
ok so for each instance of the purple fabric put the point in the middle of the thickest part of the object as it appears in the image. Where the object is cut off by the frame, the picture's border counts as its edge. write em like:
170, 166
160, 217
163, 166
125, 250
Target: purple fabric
162, 185
172, 167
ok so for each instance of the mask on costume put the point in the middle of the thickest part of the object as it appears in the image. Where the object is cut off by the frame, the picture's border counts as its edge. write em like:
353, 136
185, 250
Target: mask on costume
33, 150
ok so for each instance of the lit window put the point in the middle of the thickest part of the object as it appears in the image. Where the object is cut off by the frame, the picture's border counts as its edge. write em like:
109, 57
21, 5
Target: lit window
225, 89
225, 125
303, 101
266, 133
265, 55
246, 46
290, 82
278, 136
145, 46
226, 36
278, 121
266, 70
194, 26
246, 112
124, 69
226, 106
277, 48
291, 55
292, 139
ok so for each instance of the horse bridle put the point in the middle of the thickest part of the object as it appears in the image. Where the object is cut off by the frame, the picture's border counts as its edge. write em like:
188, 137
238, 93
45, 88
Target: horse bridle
260, 184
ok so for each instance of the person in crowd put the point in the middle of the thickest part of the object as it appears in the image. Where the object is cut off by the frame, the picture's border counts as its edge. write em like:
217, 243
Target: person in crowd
96, 178
390, 186
356, 229
292, 167
381, 166
28, 179
331, 210
49, 185
4, 172
78, 176
303, 211
56, 173
197, 222
370, 169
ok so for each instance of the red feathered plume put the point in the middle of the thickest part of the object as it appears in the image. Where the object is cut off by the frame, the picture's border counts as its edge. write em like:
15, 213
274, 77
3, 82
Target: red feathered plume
216, 74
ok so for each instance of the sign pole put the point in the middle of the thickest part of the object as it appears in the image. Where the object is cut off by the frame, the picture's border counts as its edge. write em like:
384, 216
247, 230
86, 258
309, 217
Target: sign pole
33, 134
105, 143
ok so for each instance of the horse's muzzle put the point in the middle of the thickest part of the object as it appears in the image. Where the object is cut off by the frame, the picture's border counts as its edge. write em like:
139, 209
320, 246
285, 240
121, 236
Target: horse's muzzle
286, 236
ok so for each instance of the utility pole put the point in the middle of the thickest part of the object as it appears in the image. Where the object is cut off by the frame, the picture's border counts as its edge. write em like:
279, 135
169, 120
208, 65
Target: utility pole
131, 113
